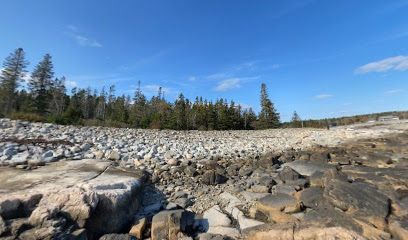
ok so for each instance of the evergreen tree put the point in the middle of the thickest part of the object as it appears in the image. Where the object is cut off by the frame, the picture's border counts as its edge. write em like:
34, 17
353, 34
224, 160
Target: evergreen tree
14, 69
249, 117
268, 117
58, 97
212, 117
296, 121
41, 83
138, 109
101, 105
180, 113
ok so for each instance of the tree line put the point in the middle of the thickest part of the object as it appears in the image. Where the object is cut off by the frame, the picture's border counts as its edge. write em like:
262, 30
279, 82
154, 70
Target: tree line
47, 100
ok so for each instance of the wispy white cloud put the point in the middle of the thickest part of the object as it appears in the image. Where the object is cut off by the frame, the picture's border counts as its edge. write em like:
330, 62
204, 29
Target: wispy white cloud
339, 112
232, 71
394, 92
276, 66
323, 96
80, 39
152, 90
72, 28
397, 63
244, 66
245, 106
155, 88
346, 104
228, 84
124, 68
98, 79
85, 42
219, 75
192, 79
71, 84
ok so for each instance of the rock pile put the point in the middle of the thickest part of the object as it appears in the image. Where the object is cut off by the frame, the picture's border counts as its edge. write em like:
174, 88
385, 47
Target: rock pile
143, 184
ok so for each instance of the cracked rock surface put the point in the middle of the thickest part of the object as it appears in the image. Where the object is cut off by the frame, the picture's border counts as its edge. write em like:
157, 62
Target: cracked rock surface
65, 182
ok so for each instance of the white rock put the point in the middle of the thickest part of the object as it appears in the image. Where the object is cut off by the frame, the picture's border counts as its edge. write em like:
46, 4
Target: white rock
215, 218
172, 162
20, 158
114, 155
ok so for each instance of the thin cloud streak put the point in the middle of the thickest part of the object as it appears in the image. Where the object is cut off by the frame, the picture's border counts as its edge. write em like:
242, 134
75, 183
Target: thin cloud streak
397, 63
80, 39
394, 92
323, 96
228, 84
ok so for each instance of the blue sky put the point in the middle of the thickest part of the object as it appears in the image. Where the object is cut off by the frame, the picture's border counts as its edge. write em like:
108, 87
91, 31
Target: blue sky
321, 58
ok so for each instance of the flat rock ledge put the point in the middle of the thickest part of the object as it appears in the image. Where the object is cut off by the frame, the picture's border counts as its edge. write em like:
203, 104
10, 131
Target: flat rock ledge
67, 197
65, 182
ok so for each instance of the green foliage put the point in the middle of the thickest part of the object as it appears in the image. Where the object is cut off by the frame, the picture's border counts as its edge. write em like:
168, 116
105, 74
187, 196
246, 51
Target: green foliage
29, 117
268, 117
14, 69
40, 84
70, 116
296, 122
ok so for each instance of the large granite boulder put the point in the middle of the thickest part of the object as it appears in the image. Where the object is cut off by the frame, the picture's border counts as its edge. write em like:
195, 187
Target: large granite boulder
360, 200
59, 198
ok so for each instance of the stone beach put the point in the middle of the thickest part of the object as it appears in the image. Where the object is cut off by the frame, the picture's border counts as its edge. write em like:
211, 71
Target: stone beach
67, 182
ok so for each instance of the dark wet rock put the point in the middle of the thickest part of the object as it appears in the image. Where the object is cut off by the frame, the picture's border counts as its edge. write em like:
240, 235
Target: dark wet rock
283, 188
183, 202
331, 217
298, 184
269, 160
211, 177
361, 200
332, 174
288, 174
267, 181
310, 197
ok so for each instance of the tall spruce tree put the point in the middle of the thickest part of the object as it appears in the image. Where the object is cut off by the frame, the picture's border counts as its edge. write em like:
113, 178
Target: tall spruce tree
138, 108
249, 117
268, 117
58, 91
40, 84
296, 121
14, 69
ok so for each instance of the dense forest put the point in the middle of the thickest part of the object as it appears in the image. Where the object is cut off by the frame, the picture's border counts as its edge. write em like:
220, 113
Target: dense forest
47, 100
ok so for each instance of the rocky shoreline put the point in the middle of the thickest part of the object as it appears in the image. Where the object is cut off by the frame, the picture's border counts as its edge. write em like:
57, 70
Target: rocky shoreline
65, 182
